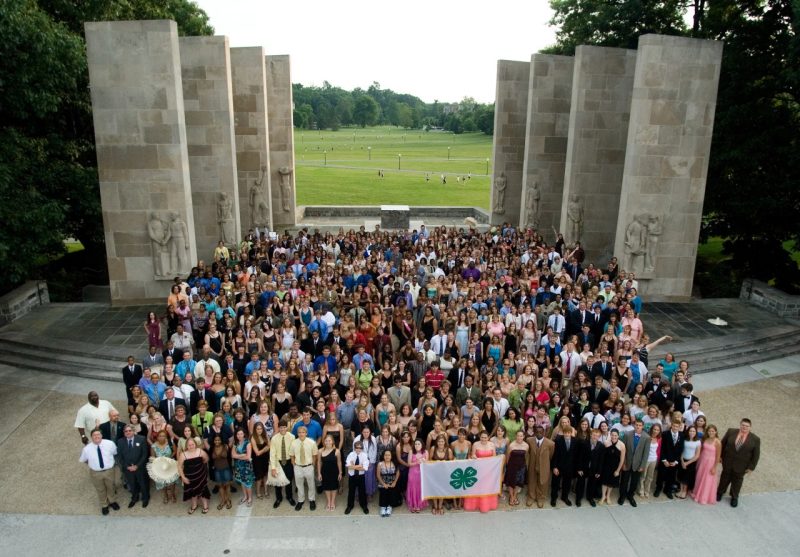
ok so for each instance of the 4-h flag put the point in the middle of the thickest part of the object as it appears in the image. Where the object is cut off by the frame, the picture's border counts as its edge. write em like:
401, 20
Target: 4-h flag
462, 478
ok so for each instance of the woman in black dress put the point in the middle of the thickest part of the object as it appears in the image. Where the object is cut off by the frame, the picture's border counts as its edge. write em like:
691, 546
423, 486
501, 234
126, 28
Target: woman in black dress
193, 469
259, 443
516, 466
612, 465
329, 471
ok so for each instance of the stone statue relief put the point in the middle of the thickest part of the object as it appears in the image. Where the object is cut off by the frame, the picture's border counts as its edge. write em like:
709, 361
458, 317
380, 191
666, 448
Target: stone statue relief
285, 173
169, 238
654, 230
574, 219
532, 205
636, 244
158, 230
178, 245
500, 193
225, 220
259, 202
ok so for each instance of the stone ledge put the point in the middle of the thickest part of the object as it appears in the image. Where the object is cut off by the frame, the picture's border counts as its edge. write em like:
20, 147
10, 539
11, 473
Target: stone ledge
770, 298
22, 300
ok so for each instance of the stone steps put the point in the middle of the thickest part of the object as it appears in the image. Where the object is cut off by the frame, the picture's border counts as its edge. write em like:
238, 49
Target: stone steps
60, 362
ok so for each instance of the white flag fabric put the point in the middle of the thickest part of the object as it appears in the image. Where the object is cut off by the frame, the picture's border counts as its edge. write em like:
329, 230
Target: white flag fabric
462, 478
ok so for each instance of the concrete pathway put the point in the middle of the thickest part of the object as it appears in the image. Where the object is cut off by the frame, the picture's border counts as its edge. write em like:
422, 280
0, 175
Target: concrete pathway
763, 525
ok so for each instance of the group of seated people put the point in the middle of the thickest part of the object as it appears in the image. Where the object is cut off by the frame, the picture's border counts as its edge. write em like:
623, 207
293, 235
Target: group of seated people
297, 361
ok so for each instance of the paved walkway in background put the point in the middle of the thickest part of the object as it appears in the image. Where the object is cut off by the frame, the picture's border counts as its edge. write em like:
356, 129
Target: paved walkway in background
763, 525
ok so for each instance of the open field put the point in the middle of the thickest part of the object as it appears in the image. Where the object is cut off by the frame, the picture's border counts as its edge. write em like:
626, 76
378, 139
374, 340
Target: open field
341, 168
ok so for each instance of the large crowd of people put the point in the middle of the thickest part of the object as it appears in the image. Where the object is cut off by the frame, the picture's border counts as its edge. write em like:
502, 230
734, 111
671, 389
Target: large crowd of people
291, 364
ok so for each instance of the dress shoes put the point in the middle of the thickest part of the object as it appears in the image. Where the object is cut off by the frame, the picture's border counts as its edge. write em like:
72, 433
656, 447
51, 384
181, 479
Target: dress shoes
592, 502
552, 502
312, 505
658, 492
620, 501
719, 497
145, 503
734, 502
578, 503
366, 510
132, 503
529, 503
104, 510
670, 495
291, 500
567, 502
348, 510
114, 506
632, 501
277, 503
298, 506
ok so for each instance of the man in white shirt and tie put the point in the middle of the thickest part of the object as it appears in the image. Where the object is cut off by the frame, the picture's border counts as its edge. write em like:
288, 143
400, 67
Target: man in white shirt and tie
103, 471
571, 361
557, 322
439, 342
357, 464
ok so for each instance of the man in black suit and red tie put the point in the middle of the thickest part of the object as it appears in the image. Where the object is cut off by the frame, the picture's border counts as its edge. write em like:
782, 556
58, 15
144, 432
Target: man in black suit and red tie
741, 450
563, 467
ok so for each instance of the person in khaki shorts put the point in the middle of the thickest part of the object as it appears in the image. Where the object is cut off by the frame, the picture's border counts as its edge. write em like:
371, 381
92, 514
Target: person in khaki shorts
103, 471
541, 452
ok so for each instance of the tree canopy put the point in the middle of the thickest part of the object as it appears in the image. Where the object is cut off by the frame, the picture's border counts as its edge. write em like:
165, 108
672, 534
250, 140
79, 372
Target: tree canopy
47, 157
753, 191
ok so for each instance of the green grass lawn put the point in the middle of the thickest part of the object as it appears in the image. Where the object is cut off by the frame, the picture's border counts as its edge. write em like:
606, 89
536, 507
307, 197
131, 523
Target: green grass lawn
341, 168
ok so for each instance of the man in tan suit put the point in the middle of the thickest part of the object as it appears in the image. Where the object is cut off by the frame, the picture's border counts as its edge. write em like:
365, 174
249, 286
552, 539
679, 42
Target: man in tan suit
542, 450
740, 453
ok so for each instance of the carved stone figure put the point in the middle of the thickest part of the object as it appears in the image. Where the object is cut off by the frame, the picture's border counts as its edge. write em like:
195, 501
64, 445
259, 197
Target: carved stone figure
500, 193
636, 244
574, 219
259, 202
225, 220
654, 230
285, 172
158, 230
532, 205
178, 245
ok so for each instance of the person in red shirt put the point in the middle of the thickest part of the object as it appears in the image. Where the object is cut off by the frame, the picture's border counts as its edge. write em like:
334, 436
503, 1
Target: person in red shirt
434, 376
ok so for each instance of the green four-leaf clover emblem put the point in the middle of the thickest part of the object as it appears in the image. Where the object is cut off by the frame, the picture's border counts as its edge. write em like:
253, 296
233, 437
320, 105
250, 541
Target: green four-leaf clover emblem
463, 478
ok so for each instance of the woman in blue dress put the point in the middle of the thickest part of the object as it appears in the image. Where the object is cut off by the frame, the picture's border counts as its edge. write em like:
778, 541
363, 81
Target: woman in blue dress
243, 466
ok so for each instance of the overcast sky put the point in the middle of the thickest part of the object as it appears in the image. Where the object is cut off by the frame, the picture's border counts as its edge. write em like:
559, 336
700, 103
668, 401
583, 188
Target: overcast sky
434, 49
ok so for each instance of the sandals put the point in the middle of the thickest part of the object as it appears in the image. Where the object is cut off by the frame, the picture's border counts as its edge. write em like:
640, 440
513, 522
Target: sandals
228, 505
205, 510
249, 503
219, 507
191, 510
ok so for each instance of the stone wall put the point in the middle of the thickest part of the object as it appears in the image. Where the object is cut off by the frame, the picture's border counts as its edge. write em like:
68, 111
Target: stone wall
510, 116
281, 140
22, 300
765, 296
549, 97
598, 130
248, 73
666, 162
208, 104
142, 159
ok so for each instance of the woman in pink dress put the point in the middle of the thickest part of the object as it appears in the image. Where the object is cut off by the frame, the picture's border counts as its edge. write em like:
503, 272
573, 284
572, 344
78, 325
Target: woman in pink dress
414, 498
705, 487
482, 449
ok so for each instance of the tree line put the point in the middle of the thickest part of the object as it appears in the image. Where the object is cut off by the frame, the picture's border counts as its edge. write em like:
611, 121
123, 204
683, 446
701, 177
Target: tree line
330, 107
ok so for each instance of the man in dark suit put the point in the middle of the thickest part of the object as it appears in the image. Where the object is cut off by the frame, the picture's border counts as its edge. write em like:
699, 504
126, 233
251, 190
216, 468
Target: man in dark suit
597, 393
593, 470
312, 345
684, 400
578, 318
201, 393
563, 467
457, 376
170, 350
132, 453
240, 361
740, 453
131, 375
153, 358
662, 395
335, 337
597, 321
637, 449
169, 404
671, 450
586, 337
603, 368
112, 429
